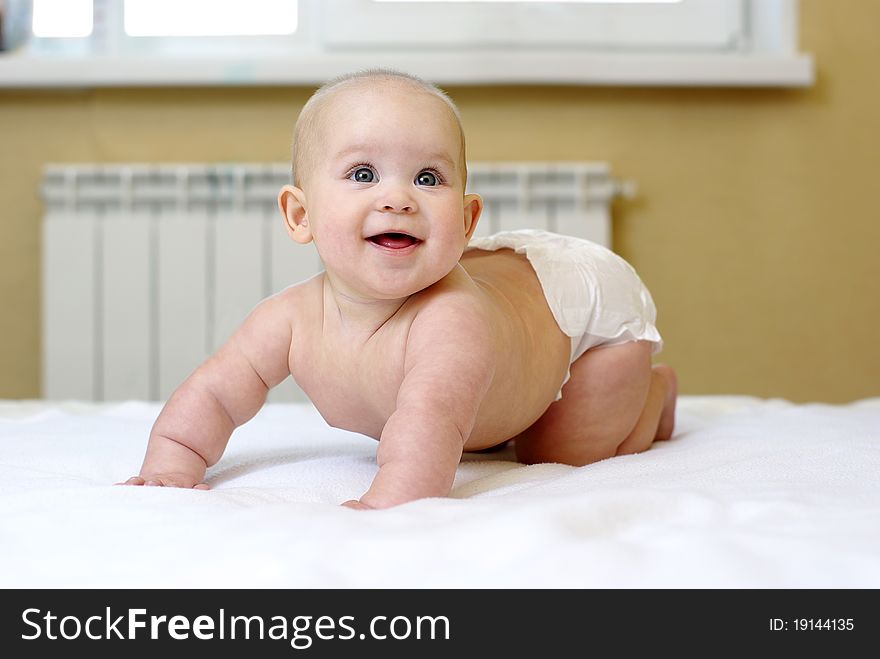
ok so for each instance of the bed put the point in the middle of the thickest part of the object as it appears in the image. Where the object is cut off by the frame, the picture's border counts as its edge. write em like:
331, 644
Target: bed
748, 493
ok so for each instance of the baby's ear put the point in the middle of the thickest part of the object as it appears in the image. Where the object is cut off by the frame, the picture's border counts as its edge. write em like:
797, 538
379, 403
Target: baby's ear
473, 207
292, 203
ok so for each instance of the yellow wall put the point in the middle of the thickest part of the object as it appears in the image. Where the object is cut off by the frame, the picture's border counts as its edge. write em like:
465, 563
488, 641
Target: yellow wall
756, 227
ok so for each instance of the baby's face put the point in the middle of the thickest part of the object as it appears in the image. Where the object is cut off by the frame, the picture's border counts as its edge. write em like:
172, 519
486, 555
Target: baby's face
388, 162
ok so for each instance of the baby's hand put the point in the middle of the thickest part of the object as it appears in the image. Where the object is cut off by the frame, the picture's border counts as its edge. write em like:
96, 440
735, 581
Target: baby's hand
356, 505
167, 480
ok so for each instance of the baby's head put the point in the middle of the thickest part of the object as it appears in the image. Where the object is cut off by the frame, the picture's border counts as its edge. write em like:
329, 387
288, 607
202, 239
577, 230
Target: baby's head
313, 119
374, 153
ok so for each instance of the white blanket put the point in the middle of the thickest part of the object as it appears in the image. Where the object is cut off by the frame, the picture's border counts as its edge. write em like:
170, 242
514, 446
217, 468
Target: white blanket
748, 493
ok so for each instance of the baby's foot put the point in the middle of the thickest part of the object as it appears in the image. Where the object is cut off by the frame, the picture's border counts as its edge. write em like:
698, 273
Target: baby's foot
667, 416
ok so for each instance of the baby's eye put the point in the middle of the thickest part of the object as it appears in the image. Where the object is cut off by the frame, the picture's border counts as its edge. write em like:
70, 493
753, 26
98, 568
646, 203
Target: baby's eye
427, 178
362, 175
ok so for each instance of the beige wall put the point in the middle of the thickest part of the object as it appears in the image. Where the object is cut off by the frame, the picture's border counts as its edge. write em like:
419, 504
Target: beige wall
756, 228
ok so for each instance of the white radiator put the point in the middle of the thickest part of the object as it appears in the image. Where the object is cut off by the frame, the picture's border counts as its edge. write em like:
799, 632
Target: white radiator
147, 269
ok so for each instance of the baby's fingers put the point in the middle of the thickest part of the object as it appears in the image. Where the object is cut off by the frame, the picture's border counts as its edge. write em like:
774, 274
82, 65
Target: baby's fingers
134, 480
354, 504
164, 481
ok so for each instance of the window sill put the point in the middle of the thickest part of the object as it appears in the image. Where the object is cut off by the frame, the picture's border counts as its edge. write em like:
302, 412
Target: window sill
24, 71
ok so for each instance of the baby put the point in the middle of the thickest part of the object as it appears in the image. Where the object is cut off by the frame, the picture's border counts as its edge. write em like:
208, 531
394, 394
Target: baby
416, 335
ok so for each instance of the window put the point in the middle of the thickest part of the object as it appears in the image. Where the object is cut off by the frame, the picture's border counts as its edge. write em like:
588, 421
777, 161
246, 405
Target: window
633, 25
151, 18
62, 18
156, 27
200, 18
240, 42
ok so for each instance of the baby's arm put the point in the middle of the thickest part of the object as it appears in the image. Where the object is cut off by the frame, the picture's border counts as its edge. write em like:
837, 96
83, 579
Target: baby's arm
227, 390
448, 368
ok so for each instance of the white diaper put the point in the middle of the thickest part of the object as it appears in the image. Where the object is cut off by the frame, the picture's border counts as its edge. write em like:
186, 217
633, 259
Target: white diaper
596, 297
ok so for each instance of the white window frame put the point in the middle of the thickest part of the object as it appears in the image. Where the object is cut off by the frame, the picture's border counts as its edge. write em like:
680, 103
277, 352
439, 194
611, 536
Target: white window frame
714, 25
757, 46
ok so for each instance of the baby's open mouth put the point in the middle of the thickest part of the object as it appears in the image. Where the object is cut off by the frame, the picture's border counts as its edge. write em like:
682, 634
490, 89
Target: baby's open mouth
394, 240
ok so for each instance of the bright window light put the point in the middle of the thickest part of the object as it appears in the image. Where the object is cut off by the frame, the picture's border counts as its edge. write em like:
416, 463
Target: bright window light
62, 18
607, 2
209, 18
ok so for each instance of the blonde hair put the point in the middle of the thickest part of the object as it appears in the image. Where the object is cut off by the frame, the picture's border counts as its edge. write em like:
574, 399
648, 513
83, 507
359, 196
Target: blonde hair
309, 122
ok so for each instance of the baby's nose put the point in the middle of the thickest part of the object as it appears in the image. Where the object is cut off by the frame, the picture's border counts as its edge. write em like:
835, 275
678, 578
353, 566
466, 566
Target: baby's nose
397, 201
397, 208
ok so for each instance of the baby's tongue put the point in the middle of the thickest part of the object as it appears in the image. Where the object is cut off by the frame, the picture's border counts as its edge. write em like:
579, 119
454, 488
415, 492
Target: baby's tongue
393, 240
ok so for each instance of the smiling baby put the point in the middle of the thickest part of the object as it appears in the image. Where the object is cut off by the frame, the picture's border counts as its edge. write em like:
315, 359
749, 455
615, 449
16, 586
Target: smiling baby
429, 341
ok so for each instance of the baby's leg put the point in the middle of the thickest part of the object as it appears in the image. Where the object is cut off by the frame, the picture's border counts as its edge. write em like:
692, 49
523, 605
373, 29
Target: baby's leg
613, 403
658, 416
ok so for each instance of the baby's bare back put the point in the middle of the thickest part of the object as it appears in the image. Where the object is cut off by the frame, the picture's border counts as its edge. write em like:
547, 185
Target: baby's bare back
353, 380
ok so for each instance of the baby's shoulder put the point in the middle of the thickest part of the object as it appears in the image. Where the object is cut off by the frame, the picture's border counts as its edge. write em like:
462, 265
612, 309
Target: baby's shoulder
455, 289
454, 303
296, 304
